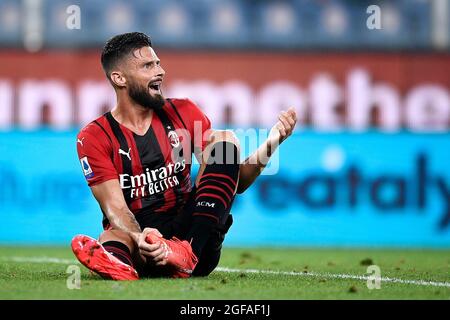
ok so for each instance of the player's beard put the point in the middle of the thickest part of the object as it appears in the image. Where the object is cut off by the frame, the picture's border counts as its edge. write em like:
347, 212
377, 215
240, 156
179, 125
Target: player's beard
141, 96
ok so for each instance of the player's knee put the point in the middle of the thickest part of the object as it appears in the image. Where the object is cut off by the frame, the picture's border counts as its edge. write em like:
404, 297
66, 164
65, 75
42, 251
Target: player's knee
223, 148
225, 136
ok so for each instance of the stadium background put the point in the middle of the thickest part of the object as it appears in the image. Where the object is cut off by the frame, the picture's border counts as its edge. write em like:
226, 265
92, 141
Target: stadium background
367, 166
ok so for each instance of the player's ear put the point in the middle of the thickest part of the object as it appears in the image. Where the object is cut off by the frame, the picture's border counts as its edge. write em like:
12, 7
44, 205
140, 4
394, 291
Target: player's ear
118, 78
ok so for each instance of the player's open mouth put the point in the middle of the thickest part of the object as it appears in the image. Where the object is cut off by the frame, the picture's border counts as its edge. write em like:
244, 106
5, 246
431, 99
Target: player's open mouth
155, 86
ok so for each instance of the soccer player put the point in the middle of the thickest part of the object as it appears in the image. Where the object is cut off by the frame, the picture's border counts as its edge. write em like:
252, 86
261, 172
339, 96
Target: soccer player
137, 160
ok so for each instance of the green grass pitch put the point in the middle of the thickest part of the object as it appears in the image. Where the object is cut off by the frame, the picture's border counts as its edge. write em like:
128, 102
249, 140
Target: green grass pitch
287, 273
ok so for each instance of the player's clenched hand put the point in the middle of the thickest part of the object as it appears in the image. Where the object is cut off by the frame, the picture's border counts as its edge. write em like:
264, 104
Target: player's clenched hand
152, 252
284, 127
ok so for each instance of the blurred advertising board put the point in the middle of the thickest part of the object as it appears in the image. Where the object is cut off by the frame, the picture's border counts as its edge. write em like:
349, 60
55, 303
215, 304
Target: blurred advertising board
330, 92
321, 189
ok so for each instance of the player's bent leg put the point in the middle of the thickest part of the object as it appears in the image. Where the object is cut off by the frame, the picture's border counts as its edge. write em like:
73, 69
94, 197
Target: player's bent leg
110, 257
216, 187
218, 176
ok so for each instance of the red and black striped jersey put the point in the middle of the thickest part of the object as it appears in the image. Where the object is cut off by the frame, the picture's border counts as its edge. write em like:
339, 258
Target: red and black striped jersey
153, 169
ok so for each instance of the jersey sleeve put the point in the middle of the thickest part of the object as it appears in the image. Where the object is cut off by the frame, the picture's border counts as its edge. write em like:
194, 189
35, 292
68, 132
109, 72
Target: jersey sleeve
95, 158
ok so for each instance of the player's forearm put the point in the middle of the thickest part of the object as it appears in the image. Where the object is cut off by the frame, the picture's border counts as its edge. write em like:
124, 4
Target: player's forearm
254, 165
124, 220
110, 197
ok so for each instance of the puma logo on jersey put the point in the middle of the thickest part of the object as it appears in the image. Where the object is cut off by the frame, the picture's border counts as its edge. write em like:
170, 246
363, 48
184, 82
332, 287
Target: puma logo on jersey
125, 153
80, 141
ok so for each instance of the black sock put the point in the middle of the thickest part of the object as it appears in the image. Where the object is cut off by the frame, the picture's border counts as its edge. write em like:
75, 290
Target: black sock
119, 250
215, 193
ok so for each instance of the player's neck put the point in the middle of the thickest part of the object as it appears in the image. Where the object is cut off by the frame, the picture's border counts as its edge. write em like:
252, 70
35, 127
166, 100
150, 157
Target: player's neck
134, 117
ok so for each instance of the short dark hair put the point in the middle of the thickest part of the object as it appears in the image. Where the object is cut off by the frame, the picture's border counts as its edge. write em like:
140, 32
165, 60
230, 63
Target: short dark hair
119, 46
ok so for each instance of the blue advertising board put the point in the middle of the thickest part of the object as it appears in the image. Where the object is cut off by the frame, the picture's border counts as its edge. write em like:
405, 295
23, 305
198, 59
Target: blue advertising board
325, 189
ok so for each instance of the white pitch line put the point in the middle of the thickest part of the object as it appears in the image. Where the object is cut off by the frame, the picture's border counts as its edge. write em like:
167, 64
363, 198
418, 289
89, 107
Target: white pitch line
39, 260
335, 276
254, 271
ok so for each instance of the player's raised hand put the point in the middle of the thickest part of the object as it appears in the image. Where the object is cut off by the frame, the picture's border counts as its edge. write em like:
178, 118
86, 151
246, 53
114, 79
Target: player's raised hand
284, 127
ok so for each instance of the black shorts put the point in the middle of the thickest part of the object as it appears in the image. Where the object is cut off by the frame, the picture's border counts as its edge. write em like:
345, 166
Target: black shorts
178, 225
